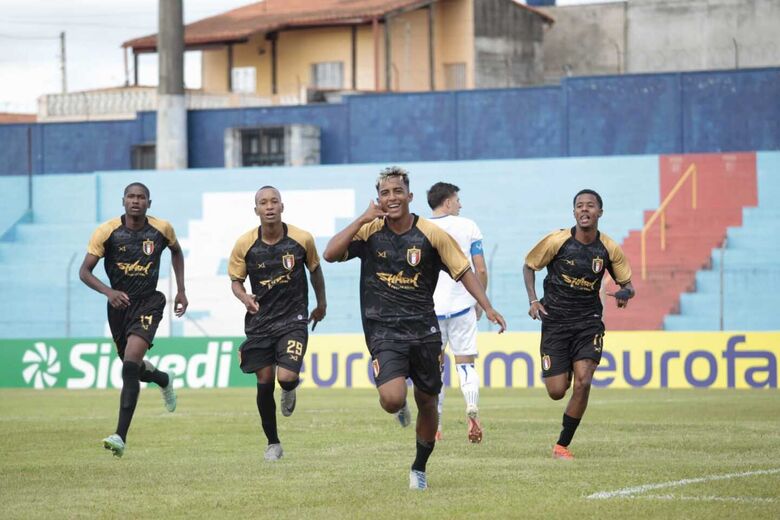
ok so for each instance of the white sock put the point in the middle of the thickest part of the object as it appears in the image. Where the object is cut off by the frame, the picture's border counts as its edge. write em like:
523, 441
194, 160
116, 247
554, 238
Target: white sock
469, 383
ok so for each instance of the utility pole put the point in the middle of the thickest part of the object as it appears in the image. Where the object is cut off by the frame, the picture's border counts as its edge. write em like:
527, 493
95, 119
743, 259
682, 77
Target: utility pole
62, 63
171, 144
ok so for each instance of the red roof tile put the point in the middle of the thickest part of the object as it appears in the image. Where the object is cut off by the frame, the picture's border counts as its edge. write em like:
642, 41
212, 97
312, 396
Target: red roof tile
273, 15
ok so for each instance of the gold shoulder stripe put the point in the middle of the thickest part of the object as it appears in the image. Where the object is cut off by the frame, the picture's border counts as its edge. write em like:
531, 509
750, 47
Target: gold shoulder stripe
306, 240
164, 227
621, 269
237, 262
365, 231
449, 250
544, 251
97, 244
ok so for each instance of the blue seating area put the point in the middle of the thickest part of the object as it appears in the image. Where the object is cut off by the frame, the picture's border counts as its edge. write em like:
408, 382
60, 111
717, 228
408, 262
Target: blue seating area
750, 270
515, 202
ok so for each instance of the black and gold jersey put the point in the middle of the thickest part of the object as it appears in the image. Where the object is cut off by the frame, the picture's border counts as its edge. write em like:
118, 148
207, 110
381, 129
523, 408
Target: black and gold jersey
132, 258
277, 278
398, 274
574, 273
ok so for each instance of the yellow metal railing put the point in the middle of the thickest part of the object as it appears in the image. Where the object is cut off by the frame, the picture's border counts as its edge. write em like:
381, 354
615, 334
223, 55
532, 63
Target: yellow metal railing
661, 213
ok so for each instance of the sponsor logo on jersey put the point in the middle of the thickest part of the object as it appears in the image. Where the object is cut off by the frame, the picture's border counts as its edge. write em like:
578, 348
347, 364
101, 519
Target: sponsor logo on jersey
273, 282
288, 261
399, 281
597, 265
134, 269
381, 254
148, 247
413, 256
579, 283
568, 262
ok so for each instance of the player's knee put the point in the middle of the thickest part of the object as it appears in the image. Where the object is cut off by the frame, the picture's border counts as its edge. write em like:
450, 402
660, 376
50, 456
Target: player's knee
582, 385
556, 394
288, 384
391, 404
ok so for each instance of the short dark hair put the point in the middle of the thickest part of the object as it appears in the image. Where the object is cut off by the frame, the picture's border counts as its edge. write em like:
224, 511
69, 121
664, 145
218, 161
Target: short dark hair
588, 192
140, 185
440, 192
267, 187
393, 171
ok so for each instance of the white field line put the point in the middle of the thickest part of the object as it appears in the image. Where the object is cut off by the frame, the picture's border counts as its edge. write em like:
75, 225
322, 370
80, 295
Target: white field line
707, 498
630, 491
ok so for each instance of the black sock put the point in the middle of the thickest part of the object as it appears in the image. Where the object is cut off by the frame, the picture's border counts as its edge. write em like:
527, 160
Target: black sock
289, 385
569, 427
267, 408
129, 397
424, 450
150, 374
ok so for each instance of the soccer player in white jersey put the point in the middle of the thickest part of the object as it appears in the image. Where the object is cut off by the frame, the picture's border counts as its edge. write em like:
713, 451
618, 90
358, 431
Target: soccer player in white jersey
456, 309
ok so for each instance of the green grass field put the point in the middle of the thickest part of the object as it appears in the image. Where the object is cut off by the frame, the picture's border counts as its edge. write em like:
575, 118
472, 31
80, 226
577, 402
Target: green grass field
345, 458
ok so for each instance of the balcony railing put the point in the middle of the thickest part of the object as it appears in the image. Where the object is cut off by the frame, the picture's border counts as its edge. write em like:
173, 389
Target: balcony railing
124, 103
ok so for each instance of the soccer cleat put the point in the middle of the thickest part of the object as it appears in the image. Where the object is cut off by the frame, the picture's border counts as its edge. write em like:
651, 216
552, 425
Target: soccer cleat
169, 395
115, 444
404, 415
287, 402
562, 453
273, 452
417, 480
475, 428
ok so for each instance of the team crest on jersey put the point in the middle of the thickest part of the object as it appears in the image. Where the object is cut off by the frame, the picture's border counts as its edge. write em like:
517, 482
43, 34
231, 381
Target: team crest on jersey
147, 247
288, 261
546, 362
597, 265
413, 256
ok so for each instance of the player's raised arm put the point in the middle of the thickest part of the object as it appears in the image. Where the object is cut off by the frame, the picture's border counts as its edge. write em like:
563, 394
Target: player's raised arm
474, 287
338, 245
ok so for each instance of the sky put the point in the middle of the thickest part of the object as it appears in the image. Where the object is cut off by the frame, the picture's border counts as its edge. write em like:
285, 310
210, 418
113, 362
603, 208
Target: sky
94, 32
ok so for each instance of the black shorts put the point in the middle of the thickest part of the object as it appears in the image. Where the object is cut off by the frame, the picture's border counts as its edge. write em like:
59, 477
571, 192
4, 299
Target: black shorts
141, 318
285, 349
420, 360
564, 343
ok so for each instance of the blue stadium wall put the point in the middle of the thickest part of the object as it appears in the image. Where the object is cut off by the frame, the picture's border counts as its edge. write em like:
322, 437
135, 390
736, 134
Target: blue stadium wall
590, 116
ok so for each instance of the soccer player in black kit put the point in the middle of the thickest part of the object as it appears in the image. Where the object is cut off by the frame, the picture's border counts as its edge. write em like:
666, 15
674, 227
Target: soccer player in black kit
131, 246
570, 311
273, 256
401, 255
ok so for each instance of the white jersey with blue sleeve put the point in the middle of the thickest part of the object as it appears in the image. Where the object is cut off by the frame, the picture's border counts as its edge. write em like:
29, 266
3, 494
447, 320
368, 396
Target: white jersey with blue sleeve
450, 297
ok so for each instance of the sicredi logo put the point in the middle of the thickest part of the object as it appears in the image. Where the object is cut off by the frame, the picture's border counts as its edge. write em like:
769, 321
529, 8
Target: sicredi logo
41, 366
96, 366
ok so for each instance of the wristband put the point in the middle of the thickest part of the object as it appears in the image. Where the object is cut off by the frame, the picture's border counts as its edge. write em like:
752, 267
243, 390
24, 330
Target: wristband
532, 302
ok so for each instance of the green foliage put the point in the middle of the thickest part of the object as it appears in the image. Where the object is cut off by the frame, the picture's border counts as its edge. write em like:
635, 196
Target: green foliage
345, 458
